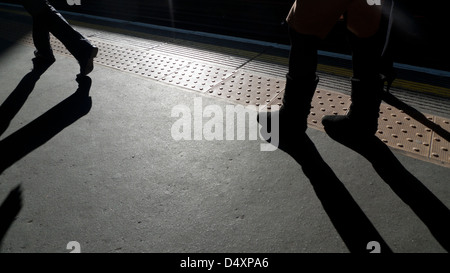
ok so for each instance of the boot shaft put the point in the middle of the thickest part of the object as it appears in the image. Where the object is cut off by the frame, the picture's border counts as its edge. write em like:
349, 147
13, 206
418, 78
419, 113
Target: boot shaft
366, 98
298, 94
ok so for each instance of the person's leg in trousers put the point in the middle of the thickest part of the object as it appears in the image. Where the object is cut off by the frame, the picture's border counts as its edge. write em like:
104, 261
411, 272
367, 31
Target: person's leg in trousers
80, 47
44, 57
41, 39
47, 19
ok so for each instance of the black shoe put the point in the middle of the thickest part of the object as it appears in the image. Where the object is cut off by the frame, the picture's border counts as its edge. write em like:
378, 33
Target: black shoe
41, 63
87, 64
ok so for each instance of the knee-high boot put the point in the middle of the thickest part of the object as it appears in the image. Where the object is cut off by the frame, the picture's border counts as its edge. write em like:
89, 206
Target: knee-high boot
301, 82
293, 114
296, 106
362, 118
366, 93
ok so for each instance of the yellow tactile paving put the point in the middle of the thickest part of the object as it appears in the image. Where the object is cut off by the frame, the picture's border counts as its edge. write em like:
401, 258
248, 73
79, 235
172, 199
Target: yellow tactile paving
400, 131
249, 88
198, 77
440, 144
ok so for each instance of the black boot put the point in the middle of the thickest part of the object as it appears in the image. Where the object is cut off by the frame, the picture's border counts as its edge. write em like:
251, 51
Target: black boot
362, 119
293, 114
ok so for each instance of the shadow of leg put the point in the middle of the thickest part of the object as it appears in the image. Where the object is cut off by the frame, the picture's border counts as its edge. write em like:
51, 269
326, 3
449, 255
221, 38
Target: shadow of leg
351, 223
392, 100
18, 97
45, 127
434, 214
9, 210
16, 100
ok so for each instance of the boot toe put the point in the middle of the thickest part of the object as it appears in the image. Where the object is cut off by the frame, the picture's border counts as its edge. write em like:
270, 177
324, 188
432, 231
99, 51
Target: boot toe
87, 65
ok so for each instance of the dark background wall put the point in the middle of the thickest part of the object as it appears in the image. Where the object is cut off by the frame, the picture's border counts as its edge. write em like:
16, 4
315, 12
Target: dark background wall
420, 37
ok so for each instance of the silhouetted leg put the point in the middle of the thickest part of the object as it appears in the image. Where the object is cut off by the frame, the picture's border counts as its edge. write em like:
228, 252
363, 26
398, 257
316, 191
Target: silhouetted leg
301, 78
301, 83
44, 57
366, 56
41, 32
41, 38
80, 47
74, 41
303, 55
367, 87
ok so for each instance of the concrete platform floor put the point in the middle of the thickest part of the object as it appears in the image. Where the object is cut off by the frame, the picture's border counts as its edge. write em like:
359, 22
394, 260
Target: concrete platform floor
100, 166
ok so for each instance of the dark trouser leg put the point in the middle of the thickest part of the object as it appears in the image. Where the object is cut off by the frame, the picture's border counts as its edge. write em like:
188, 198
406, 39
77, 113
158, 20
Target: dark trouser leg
44, 57
75, 42
41, 38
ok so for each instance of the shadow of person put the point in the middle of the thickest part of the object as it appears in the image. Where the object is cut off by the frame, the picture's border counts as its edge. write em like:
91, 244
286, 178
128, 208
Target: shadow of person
354, 227
9, 209
433, 213
11, 106
45, 127
416, 115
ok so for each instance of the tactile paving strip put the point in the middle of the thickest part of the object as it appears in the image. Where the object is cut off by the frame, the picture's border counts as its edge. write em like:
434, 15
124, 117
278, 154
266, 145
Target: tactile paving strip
440, 144
151, 42
208, 53
327, 103
155, 66
396, 129
268, 64
198, 77
324, 103
249, 88
399, 130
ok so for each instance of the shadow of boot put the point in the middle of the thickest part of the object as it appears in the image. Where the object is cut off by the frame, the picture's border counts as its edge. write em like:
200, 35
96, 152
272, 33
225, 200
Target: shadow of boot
433, 213
9, 209
354, 227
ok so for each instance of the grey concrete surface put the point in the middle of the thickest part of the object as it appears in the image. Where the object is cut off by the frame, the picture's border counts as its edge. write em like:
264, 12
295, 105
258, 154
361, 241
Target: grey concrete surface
105, 171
